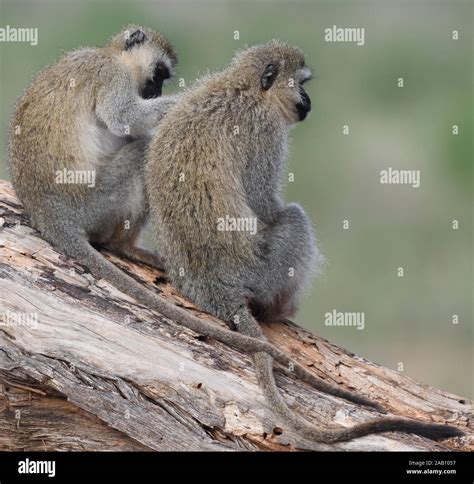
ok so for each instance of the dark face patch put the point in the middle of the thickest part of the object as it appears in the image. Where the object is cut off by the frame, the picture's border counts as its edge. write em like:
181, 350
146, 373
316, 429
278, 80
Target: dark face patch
154, 86
304, 106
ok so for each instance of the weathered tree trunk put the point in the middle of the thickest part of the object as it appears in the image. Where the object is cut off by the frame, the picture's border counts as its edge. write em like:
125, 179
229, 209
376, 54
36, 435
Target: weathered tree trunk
84, 367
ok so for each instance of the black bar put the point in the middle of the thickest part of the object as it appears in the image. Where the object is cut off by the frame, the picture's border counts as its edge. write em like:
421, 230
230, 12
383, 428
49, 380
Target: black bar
394, 465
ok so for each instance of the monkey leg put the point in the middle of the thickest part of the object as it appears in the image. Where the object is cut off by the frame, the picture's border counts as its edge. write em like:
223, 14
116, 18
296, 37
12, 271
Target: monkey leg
289, 258
124, 242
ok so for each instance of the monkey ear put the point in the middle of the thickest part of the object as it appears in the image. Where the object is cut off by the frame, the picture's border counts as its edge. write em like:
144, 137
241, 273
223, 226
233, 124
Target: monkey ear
135, 38
268, 77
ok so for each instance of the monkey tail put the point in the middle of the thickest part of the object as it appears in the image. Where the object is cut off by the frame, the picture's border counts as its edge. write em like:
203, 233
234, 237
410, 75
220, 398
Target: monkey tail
264, 369
316, 382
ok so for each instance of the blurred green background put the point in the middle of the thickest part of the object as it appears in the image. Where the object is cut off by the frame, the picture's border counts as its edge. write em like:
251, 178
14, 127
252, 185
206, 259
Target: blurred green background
408, 320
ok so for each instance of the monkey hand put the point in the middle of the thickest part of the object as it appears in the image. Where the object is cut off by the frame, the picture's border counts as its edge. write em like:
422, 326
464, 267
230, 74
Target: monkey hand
164, 104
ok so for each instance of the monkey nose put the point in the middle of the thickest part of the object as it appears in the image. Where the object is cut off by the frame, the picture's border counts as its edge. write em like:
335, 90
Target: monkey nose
304, 106
302, 111
305, 99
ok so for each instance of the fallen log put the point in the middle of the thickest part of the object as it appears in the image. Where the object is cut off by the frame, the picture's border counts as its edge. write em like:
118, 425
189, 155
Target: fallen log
85, 367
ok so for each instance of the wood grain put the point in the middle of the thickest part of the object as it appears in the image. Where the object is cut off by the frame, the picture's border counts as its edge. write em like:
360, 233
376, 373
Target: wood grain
84, 367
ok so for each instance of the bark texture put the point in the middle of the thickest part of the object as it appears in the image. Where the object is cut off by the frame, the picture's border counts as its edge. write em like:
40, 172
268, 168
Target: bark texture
84, 367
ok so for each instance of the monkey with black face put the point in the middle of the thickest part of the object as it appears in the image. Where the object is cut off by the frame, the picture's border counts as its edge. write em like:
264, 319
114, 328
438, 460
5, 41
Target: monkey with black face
217, 156
92, 112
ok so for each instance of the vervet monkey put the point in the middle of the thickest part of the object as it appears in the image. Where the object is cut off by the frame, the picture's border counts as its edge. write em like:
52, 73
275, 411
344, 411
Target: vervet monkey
78, 137
214, 166
91, 114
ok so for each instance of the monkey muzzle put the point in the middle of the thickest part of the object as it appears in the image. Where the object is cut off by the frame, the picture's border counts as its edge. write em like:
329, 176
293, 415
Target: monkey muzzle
304, 106
152, 89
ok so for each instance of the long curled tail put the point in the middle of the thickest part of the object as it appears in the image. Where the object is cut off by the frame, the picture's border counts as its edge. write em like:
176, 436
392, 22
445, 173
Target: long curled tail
264, 369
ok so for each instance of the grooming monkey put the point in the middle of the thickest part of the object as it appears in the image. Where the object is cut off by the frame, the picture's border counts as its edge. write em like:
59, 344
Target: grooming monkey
219, 154
93, 111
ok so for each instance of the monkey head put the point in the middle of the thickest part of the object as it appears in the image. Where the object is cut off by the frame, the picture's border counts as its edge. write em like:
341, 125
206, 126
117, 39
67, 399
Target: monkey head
276, 73
149, 55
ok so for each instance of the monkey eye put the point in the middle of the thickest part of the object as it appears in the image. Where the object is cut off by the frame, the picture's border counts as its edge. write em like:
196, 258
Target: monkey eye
268, 77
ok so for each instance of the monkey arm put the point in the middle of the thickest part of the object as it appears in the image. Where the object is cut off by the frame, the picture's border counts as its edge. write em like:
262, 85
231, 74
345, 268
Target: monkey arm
125, 113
